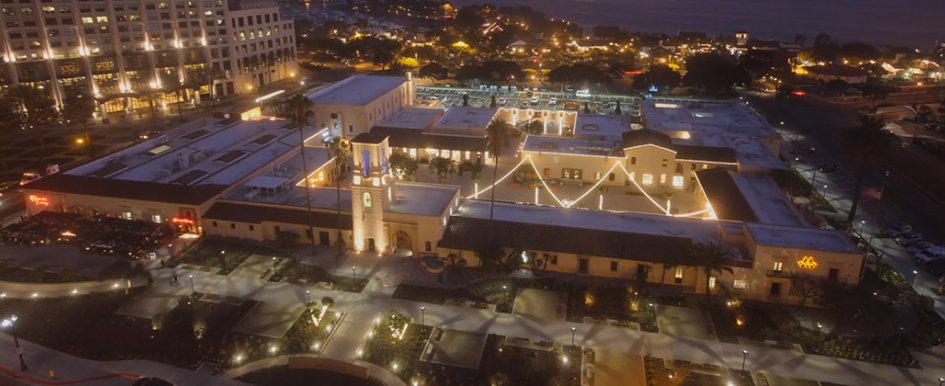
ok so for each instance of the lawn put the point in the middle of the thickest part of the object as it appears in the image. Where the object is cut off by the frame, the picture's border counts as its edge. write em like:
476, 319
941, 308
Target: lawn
207, 252
283, 376
86, 326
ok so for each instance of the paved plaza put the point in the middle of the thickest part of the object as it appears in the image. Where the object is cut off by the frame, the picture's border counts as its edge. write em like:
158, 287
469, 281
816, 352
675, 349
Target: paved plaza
270, 320
613, 368
257, 266
683, 322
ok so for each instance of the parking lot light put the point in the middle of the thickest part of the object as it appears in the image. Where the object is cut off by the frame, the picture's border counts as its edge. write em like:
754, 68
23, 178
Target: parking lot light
7, 324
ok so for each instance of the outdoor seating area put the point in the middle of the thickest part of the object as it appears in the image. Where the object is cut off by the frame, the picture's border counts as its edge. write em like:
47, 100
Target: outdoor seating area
101, 235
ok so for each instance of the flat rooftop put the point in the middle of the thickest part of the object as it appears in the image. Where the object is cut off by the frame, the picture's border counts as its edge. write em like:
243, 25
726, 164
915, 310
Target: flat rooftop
639, 223
748, 197
573, 145
466, 120
596, 125
802, 238
202, 152
731, 125
415, 118
422, 199
357, 90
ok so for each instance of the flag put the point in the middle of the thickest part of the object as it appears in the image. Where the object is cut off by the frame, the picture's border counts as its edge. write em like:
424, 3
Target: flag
873, 193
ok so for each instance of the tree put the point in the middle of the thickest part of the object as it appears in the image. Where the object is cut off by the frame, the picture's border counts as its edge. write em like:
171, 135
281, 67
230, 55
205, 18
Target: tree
498, 133
534, 127
757, 62
807, 287
868, 145
714, 73
433, 70
442, 167
36, 106
339, 148
403, 166
578, 74
712, 258
383, 59
473, 168
298, 109
78, 108
859, 50
660, 76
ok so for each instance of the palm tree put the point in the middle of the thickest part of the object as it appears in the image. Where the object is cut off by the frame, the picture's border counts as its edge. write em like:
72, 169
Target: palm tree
442, 167
498, 133
867, 144
711, 257
339, 148
297, 109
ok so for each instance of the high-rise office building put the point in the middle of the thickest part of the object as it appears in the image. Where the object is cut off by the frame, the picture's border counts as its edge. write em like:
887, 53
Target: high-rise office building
127, 52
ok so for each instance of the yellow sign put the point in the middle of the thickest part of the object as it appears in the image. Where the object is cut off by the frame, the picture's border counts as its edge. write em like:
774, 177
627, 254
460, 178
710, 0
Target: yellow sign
807, 262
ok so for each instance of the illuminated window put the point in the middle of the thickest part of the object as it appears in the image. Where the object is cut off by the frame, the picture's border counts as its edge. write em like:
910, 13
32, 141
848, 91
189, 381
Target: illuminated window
662, 179
367, 199
647, 179
413, 153
126, 215
677, 181
740, 284
445, 153
156, 218
712, 282
778, 266
678, 276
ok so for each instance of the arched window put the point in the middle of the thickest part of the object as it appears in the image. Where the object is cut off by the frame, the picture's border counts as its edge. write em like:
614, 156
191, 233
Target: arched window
367, 199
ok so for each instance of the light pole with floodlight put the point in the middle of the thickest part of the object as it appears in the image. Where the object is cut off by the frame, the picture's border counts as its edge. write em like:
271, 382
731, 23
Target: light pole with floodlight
572, 335
192, 290
422, 311
354, 272
308, 296
744, 357
941, 381
7, 324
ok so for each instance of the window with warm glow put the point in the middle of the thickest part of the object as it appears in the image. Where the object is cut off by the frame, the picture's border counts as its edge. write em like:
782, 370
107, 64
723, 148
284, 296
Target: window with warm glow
678, 181
647, 179
367, 199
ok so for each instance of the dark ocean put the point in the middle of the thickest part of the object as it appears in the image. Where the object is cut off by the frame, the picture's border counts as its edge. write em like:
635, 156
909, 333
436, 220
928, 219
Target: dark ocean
907, 23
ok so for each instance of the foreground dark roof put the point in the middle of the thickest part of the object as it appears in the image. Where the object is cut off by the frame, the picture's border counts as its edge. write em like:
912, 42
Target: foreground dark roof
126, 189
371, 137
725, 196
418, 139
469, 233
686, 152
257, 213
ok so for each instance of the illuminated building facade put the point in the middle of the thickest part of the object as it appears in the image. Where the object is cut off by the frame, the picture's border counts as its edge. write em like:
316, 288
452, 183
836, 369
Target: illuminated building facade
125, 53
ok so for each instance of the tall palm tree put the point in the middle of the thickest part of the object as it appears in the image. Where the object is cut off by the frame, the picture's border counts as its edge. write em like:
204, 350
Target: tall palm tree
711, 257
297, 109
498, 133
868, 145
339, 147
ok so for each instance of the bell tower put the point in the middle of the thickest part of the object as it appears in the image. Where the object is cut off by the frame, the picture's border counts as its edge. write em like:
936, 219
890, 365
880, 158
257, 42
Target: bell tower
371, 192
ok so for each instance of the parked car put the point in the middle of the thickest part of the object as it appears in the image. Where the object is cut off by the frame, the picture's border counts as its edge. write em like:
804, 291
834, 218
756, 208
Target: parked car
908, 238
920, 246
897, 229
936, 267
553, 101
930, 255
535, 100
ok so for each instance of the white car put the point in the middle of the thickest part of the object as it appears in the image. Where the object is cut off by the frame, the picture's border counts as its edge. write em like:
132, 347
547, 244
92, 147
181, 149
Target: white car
552, 101
535, 100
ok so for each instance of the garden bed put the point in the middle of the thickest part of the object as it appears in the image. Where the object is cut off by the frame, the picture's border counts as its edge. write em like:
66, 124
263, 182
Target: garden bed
500, 292
308, 274
686, 374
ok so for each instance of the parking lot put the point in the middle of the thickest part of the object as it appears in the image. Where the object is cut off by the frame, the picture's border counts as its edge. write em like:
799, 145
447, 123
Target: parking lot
511, 97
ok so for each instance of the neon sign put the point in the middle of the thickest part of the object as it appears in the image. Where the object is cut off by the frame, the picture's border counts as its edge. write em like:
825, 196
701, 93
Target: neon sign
182, 220
38, 200
807, 263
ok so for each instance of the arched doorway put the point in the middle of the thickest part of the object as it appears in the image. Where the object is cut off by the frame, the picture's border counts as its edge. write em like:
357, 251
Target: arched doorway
402, 243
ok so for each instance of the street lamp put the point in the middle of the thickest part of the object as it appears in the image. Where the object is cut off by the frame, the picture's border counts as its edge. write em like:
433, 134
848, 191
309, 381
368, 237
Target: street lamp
572, 335
274, 262
862, 225
941, 381
354, 272
191, 277
7, 324
308, 296
825, 192
915, 274
422, 310
744, 357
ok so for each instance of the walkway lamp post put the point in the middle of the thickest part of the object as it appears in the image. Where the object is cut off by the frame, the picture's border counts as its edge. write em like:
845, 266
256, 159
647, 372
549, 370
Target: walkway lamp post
915, 274
572, 335
354, 272
941, 381
7, 324
744, 357
191, 277
308, 296
422, 311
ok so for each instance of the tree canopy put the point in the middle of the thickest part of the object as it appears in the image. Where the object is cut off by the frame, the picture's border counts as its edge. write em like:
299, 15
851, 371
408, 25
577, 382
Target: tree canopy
714, 73
660, 76
578, 74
